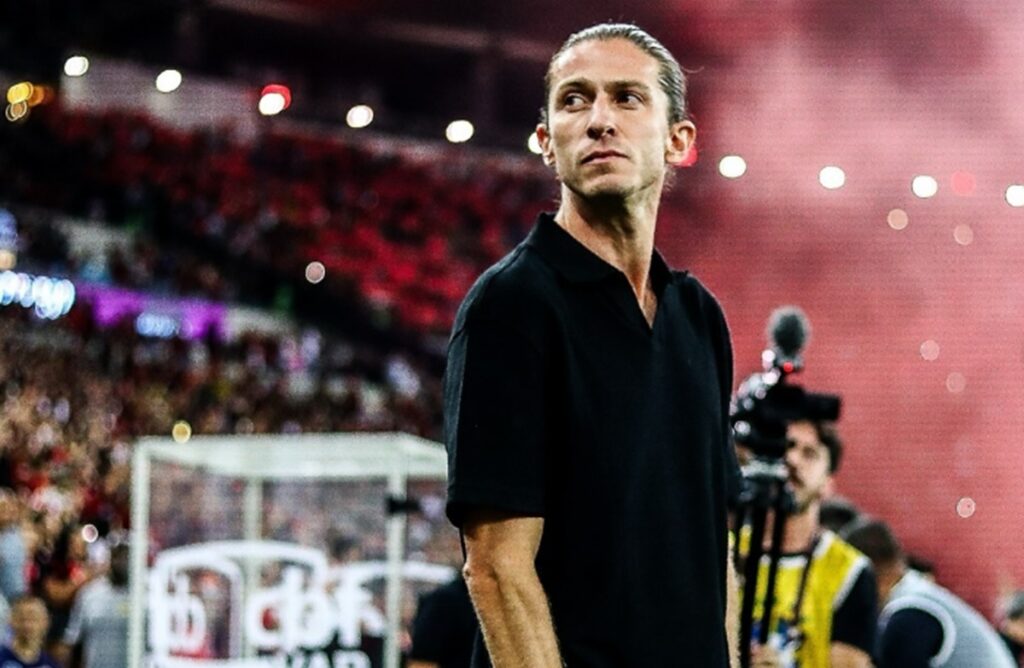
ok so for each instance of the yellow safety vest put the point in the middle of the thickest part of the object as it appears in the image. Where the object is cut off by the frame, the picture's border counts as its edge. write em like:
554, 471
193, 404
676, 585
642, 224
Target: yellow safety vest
835, 566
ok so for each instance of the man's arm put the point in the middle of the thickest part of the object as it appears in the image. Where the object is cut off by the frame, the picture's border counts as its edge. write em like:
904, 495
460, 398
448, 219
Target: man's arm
911, 639
732, 610
848, 656
853, 624
506, 591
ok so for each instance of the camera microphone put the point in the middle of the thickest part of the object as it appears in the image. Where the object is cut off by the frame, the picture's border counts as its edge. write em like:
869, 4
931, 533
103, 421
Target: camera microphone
788, 332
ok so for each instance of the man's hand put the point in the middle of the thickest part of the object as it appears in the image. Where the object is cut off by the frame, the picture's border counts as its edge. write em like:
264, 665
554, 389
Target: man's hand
763, 656
506, 591
848, 656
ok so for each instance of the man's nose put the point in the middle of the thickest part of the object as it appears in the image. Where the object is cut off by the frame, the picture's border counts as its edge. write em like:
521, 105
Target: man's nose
602, 119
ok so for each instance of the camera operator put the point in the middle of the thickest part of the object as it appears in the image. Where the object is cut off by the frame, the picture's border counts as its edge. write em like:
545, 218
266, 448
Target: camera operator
825, 594
923, 624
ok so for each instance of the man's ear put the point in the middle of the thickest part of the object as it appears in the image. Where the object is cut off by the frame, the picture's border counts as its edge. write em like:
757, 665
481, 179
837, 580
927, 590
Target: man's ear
546, 151
680, 138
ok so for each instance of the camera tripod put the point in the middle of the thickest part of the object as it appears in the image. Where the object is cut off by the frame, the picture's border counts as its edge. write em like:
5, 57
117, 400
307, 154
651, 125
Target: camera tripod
765, 492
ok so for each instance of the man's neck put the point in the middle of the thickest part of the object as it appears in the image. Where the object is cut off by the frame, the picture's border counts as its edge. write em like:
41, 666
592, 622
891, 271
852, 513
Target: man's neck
888, 576
620, 232
800, 530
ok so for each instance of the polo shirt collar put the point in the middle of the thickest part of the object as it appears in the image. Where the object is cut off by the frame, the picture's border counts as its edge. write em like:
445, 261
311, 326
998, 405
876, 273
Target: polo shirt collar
578, 263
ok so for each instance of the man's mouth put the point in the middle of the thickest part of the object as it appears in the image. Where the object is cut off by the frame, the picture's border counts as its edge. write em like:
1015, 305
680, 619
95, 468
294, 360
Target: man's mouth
600, 156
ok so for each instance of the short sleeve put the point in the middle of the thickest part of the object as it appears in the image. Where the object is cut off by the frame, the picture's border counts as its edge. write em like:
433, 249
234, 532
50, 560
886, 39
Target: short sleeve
445, 627
911, 639
495, 394
854, 621
723, 356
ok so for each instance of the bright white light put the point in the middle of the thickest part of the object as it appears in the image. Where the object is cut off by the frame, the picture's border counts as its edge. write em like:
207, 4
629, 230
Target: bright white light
533, 144
832, 177
1015, 195
76, 66
359, 116
315, 272
272, 104
924, 186
732, 166
459, 131
168, 81
965, 507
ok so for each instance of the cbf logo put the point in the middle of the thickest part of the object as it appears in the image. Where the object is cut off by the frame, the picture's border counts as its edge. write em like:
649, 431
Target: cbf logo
261, 604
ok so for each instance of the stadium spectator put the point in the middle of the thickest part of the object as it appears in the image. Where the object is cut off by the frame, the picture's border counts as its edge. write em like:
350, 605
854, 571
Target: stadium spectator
1011, 628
922, 624
29, 624
98, 626
12, 550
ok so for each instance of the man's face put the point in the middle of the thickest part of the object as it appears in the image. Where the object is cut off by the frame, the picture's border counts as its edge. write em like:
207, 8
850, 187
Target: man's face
608, 132
808, 461
30, 621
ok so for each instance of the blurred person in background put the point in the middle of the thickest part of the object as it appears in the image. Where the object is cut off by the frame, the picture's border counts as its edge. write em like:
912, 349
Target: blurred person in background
97, 630
836, 512
587, 393
922, 625
13, 554
62, 572
826, 596
444, 628
1011, 628
29, 624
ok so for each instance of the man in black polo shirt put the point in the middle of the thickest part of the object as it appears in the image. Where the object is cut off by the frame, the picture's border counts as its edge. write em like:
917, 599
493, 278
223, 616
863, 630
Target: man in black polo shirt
587, 392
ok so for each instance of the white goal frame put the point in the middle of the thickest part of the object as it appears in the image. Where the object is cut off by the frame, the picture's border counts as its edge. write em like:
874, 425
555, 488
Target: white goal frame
394, 457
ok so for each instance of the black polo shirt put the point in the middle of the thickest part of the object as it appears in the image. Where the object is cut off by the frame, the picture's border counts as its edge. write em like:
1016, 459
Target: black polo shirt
561, 402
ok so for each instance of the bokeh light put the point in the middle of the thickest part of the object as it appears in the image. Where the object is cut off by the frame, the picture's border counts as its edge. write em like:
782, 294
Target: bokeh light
76, 66
963, 183
924, 186
19, 92
359, 116
832, 177
271, 104
898, 219
930, 350
956, 382
16, 112
732, 166
459, 131
966, 507
533, 144
963, 234
1015, 195
315, 272
90, 534
168, 81
181, 432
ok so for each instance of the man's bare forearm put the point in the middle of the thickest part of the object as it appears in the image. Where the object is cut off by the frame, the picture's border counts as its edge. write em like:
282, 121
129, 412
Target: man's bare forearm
515, 619
732, 612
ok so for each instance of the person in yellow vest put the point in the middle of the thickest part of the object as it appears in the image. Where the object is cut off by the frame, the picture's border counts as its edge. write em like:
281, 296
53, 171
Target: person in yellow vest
826, 594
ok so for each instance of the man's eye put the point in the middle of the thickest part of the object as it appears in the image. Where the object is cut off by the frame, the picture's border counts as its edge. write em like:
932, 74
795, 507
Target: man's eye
630, 98
573, 100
